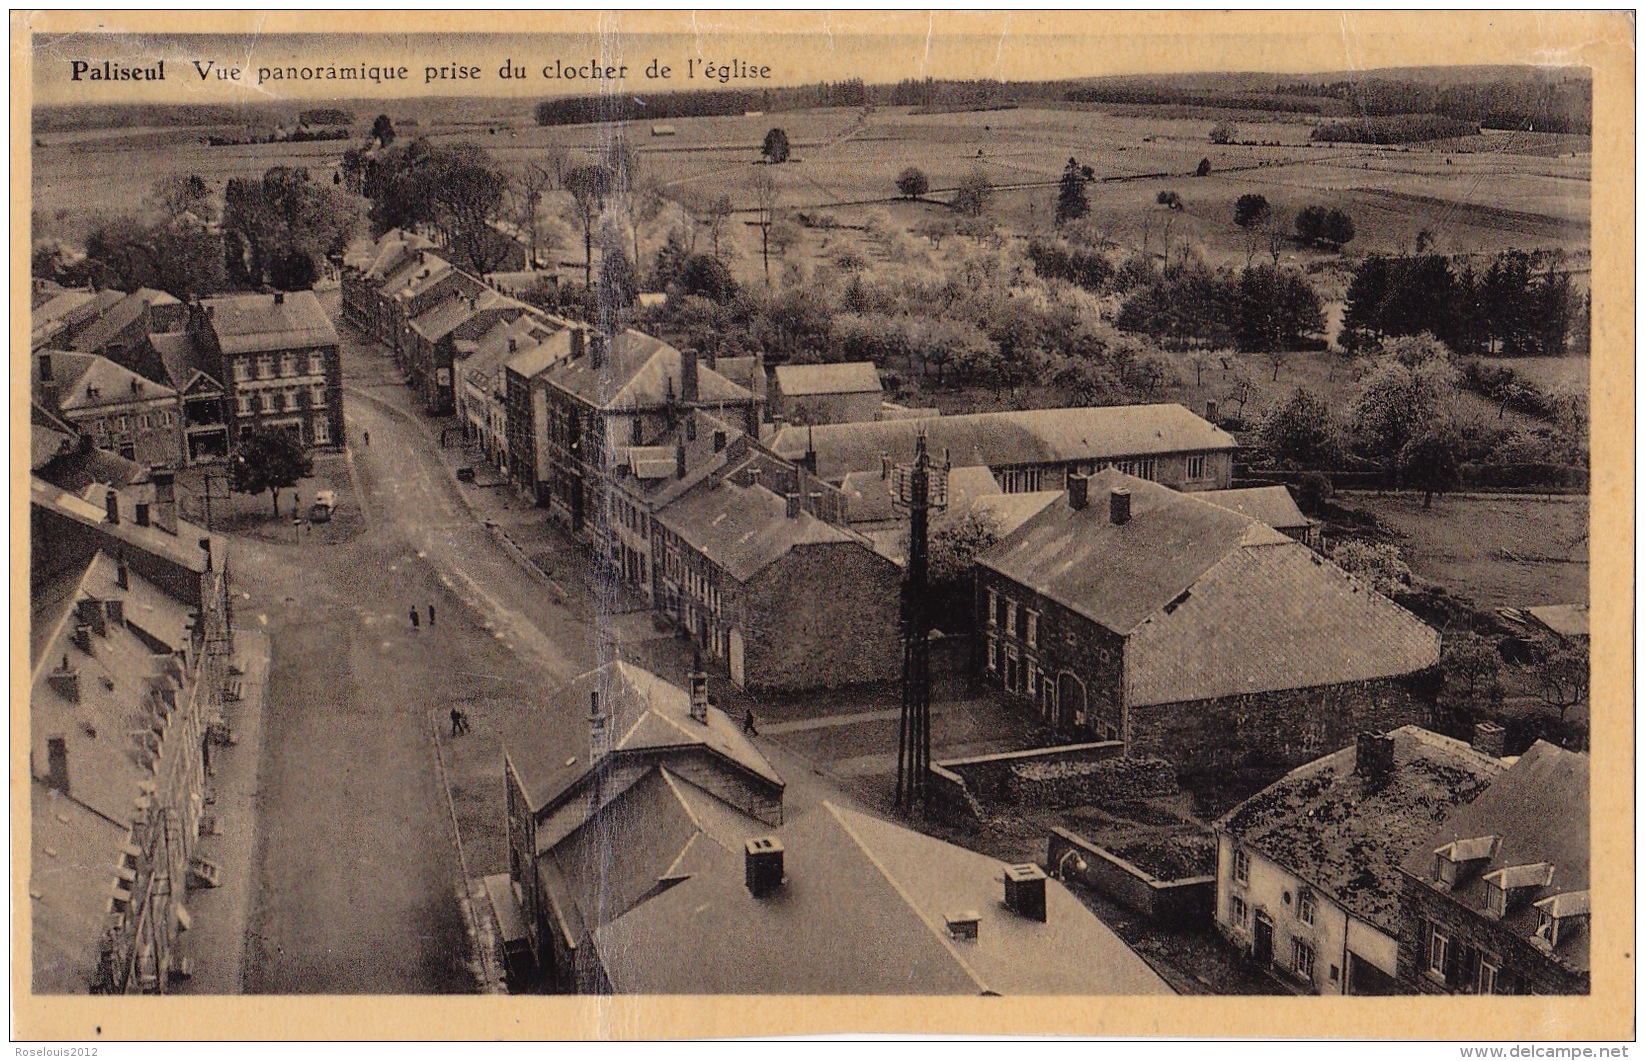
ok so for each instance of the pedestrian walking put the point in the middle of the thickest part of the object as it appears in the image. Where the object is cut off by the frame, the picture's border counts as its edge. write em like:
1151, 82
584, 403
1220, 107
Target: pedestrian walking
414, 617
456, 722
366, 435
431, 615
748, 724
462, 719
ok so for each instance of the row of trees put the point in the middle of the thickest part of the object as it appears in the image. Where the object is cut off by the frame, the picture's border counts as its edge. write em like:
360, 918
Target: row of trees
1261, 307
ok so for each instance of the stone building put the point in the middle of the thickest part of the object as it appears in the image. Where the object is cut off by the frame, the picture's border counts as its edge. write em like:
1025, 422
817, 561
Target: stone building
276, 356
116, 408
841, 393
1496, 898
1137, 613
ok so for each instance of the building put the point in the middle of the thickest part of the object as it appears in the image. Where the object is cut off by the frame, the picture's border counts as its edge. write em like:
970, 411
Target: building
431, 345
204, 399
116, 408
482, 391
1568, 622
1308, 878
57, 321
277, 360
368, 284
1033, 449
844, 393
604, 813
128, 643
841, 903
1134, 612
1272, 505
526, 406
1496, 898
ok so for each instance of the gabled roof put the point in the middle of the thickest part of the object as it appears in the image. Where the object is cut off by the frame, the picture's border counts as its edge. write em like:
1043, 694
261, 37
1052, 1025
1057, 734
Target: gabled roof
88, 507
1007, 439
252, 323
47, 444
845, 377
639, 372
1539, 808
744, 530
537, 355
644, 713
1272, 505
91, 381
181, 361
117, 318
862, 911
1346, 834
1566, 620
449, 314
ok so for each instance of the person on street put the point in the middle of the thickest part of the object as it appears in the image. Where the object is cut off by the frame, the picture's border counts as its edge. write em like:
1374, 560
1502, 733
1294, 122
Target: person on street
456, 722
366, 436
748, 724
414, 617
431, 615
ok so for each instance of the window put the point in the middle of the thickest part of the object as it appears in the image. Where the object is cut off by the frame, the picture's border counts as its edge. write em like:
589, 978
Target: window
317, 395
1196, 467
265, 366
993, 608
244, 403
993, 654
1487, 984
1242, 866
1033, 635
1439, 952
635, 429
1237, 911
1011, 617
322, 431
1305, 906
242, 370
1033, 679
1302, 958
288, 364
267, 402
1142, 468
317, 363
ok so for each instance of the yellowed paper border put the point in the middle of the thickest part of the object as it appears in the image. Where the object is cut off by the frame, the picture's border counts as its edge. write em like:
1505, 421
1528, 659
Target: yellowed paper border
1037, 45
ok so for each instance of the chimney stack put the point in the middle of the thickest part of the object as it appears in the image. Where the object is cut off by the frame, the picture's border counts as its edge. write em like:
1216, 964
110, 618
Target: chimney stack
1374, 755
792, 505
91, 614
699, 690
111, 505
279, 298
596, 351
122, 575
763, 865
679, 460
688, 376
65, 682
165, 499
1119, 506
719, 441
82, 636
1211, 411
885, 466
596, 729
1025, 891
753, 477
513, 345
1079, 491
57, 764
963, 925
1490, 739
205, 546
579, 342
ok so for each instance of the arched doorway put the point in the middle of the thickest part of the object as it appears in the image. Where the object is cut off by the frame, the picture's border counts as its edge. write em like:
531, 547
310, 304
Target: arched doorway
1070, 700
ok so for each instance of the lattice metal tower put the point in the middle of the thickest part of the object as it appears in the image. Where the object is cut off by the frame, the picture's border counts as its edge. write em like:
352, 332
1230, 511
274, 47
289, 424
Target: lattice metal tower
919, 488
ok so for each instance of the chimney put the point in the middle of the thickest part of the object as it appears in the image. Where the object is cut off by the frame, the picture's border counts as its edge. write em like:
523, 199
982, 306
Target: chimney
279, 298
111, 505
763, 865
115, 610
57, 764
205, 547
1490, 739
136, 385
82, 636
1119, 506
513, 345
719, 441
792, 503
1211, 411
165, 499
963, 925
753, 477
885, 466
91, 614
1079, 491
699, 690
142, 515
122, 575
65, 682
1374, 755
1025, 891
578, 342
710, 359
688, 375
596, 351
596, 729
679, 460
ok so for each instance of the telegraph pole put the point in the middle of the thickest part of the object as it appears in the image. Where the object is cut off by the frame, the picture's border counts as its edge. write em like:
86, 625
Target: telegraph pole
919, 488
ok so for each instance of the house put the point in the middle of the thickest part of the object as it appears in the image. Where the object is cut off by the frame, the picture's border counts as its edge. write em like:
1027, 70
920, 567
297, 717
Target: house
431, 355
63, 457
844, 393
57, 321
1496, 897
971, 492
607, 811
659, 129
482, 392
618, 391
1308, 869
116, 408
370, 275
744, 571
1272, 505
277, 360
204, 399
842, 903
1030, 450
1134, 612
129, 638
526, 406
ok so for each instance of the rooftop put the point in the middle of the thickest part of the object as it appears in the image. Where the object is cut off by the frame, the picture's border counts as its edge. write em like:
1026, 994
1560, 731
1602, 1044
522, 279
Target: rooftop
744, 530
1566, 620
1346, 834
639, 372
1272, 505
117, 318
845, 377
862, 910
87, 382
1006, 439
251, 323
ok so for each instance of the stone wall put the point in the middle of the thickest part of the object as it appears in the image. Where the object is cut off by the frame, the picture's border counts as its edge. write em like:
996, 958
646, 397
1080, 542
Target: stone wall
996, 778
1179, 902
1072, 784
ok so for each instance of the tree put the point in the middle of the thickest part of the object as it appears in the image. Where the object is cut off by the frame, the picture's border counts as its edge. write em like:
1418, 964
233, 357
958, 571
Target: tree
1171, 200
1071, 201
1396, 401
1474, 666
775, 148
1203, 169
529, 185
268, 459
467, 191
1299, 433
180, 257
766, 194
936, 229
707, 277
1338, 228
1563, 679
1428, 462
784, 236
1224, 132
281, 217
382, 130
1311, 223
1251, 211
1378, 563
589, 185
619, 283
954, 545
974, 193
912, 182
178, 195
716, 218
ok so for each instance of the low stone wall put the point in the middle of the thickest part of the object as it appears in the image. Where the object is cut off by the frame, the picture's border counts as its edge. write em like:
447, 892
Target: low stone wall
990, 778
1174, 903
1071, 784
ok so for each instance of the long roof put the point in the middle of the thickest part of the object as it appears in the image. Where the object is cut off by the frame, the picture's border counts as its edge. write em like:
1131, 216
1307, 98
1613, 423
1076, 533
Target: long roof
253, 323
87, 382
862, 911
639, 371
1538, 811
1272, 505
845, 377
1212, 603
120, 316
744, 530
1347, 834
1007, 439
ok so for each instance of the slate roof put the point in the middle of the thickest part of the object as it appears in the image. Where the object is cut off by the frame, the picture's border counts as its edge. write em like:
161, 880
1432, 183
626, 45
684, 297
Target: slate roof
181, 361
537, 355
639, 372
1539, 808
1212, 603
452, 313
88, 506
744, 530
252, 323
47, 444
1346, 835
116, 318
644, 713
1272, 505
845, 377
76, 375
1007, 439
862, 912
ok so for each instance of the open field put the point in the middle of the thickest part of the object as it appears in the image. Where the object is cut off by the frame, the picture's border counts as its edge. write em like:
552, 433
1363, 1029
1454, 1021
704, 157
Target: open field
1548, 373
1517, 551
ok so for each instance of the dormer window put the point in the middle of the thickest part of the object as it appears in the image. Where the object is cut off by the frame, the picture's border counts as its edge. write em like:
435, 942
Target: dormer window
1560, 916
1454, 861
1507, 888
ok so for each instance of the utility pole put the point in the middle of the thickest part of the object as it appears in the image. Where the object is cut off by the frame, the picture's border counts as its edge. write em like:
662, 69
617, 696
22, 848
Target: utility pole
918, 488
